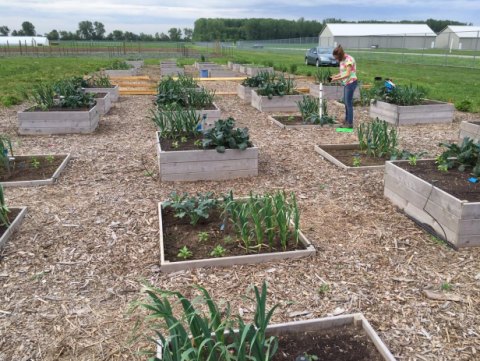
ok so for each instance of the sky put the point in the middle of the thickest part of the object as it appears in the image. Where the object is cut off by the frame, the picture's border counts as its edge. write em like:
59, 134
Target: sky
150, 16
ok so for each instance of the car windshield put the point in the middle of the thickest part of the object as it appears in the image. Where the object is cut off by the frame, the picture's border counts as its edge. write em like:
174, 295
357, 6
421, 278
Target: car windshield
325, 51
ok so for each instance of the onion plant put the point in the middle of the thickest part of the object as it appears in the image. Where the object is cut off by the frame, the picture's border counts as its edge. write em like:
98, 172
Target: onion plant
198, 99
175, 121
377, 138
119, 65
322, 75
3, 210
5, 147
307, 107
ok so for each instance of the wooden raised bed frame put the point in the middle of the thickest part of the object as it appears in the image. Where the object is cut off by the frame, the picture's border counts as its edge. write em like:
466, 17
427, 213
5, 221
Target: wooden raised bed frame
277, 104
322, 149
331, 92
206, 164
137, 64
167, 266
221, 73
104, 104
114, 92
43, 182
439, 112
253, 71
14, 225
130, 72
302, 126
326, 323
470, 130
245, 92
58, 122
459, 219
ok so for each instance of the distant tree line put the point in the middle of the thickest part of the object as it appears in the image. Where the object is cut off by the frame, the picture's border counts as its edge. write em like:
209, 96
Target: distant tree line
95, 31
265, 29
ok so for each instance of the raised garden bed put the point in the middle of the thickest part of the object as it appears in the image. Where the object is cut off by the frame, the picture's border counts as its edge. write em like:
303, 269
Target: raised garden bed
113, 91
211, 115
129, 72
340, 338
243, 68
58, 121
221, 73
103, 103
136, 63
245, 92
277, 104
209, 66
199, 64
451, 206
297, 123
15, 216
25, 174
253, 71
201, 164
170, 244
171, 71
470, 129
331, 92
430, 112
236, 67
230, 65
343, 155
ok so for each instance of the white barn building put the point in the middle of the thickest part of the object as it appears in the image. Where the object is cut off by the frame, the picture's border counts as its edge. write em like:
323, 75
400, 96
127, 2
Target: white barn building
408, 36
459, 38
31, 40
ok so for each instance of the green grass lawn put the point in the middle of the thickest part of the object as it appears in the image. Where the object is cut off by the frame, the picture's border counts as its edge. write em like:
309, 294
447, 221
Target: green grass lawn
442, 83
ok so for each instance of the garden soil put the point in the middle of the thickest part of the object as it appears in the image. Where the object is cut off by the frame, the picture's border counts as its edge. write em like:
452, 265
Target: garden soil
94, 235
25, 171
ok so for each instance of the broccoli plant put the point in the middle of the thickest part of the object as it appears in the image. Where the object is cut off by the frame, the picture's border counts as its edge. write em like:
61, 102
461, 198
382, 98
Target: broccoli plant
223, 136
194, 208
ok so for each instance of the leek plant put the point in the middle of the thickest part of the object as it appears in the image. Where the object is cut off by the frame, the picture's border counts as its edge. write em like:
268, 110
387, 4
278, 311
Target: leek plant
199, 99
378, 138
283, 212
176, 121
3, 210
307, 107
5, 147
119, 65
187, 82
322, 75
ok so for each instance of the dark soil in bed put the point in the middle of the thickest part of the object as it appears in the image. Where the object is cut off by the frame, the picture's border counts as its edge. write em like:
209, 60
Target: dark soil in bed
178, 232
58, 109
293, 120
347, 156
345, 343
476, 123
11, 217
453, 182
25, 171
167, 144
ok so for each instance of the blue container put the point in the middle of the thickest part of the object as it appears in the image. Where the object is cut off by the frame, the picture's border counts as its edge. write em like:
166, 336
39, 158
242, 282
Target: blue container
203, 73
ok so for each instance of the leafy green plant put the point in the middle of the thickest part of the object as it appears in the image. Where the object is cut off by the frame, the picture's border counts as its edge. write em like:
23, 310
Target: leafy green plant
400, 95
183, 139
203, 237
356, 161
325, 119
3, 210
199, 99
293, 68
187, 82
175, 144
377, 138
307, 107
50, 159
202, 58
185, 253
290, 118
218, 251
310, 357
464, 105
198, 143
119, 65
259, 79
322, 75
467, 154
412, 160
10, 100
405, 154
223, 136
228, 240
283, 86
446, 286
194, 208
323, 289
34, 161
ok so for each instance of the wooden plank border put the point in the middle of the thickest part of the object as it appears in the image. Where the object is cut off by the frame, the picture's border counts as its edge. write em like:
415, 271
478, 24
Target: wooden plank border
14, 225
322, 149
301, 126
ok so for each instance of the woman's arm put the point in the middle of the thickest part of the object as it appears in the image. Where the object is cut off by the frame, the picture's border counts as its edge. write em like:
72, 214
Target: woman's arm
340, 77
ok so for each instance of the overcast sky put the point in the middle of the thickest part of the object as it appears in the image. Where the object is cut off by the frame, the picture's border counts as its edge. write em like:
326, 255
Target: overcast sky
150, 16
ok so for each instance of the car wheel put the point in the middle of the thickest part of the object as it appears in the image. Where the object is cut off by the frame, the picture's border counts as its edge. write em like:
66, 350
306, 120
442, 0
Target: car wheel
317, 63
306, 61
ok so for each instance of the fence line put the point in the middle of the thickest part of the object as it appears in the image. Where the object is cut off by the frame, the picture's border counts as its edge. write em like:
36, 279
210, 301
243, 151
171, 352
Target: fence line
446, 49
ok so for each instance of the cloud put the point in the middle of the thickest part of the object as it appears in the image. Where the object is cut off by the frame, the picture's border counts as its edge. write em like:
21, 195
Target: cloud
151, 16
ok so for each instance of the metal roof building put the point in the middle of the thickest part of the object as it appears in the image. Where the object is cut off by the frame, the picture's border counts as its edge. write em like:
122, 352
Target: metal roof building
408, 36
459, 38
13, 40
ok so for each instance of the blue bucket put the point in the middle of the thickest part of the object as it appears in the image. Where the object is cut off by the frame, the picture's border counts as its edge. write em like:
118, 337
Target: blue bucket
203, 73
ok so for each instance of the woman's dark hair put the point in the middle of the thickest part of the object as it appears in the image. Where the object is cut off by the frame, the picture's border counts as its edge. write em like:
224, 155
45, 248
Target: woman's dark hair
339, 52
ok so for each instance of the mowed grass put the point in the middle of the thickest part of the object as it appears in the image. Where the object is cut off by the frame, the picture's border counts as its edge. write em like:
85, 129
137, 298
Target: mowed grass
442, 83
24, 72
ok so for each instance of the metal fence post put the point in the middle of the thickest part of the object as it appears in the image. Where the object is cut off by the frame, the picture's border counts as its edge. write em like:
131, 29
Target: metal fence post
358, 47
475, 52
446, 52
423, 49
403, 45
386, 49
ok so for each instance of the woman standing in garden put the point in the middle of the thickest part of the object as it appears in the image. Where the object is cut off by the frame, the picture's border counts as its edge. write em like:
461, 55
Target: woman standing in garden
348, 75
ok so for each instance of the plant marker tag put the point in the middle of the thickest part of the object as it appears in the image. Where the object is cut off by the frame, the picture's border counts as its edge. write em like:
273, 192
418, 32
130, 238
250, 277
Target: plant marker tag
222, 227
199, 127
473, 180
5, 151
22, 165
357, 155
344, 130
304, 123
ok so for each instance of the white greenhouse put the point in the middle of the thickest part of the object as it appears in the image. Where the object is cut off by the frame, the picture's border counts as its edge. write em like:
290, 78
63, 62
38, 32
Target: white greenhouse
30, 40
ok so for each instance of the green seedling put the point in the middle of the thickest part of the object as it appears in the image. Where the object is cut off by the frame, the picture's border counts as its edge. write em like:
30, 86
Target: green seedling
323, 289
356, 162
443, 167
185, 253
202, 237
311, 357
184, 139
412, 160
198, 143
321, 186
290, 118
175, 144
149, 174
228, 239
446, 286
50, 159
38, 276
218, 251
35, 162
